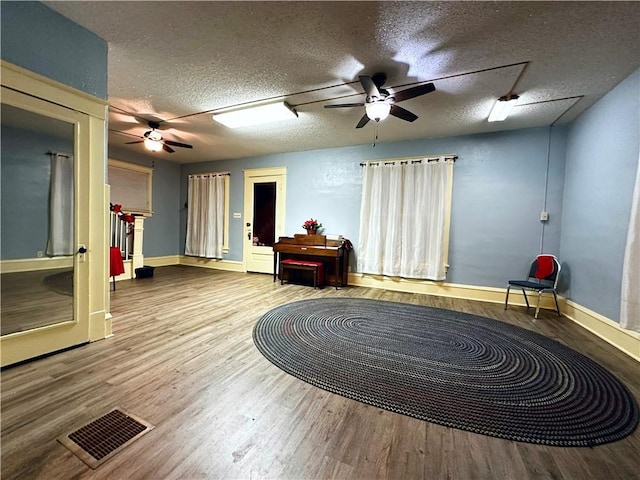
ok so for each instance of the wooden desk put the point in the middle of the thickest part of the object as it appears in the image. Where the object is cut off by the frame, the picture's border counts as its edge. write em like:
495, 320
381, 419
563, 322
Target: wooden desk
334, 254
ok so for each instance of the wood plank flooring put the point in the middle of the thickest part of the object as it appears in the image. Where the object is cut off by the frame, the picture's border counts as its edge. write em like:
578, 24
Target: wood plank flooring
183, 359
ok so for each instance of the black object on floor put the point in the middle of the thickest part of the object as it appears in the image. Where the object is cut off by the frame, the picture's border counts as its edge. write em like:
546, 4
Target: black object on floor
144, 272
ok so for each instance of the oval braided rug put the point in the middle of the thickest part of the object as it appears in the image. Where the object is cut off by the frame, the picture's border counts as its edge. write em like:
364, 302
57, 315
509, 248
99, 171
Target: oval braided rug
451, 368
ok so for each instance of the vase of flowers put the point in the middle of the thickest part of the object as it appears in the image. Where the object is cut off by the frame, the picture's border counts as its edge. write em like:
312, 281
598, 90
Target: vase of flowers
312, 226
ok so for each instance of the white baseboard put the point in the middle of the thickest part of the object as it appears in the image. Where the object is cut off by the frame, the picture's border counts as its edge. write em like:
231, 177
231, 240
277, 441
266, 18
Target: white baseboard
452, 290
605, 328
162, 261
228, 265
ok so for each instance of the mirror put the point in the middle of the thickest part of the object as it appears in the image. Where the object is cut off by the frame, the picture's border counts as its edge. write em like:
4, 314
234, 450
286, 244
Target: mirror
36, 253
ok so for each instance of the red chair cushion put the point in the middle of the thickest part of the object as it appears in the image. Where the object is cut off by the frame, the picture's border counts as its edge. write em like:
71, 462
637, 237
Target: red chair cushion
545, 266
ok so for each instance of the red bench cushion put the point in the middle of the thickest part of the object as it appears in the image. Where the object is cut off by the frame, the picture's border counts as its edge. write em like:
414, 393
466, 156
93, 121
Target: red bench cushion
302, 262
307, 263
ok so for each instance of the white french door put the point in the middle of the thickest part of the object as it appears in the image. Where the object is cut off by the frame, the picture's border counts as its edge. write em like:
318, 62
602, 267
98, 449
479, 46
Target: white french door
73, 312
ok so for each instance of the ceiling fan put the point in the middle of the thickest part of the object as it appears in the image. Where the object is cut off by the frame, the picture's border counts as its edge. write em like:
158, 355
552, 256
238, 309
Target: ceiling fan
153, 140
380, 103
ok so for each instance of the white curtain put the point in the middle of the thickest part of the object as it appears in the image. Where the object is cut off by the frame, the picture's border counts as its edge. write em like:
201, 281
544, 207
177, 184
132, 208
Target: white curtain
630, 295
205, 220
403, 219
61, 206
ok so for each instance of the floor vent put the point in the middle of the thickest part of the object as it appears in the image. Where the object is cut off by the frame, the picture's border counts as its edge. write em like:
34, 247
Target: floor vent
98, 441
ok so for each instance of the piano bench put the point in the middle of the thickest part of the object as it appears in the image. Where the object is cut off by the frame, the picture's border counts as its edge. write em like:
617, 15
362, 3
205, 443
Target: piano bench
315, 267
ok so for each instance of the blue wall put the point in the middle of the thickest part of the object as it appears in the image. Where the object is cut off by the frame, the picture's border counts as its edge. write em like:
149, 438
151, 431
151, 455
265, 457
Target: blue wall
498, 194
24, 199
36, 38
161, 234
602, 157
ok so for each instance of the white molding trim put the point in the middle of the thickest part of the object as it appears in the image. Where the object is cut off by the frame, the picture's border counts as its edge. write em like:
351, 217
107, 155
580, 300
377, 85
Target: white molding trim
444, 289
39, 86
228, 265
32, 264
611, 332
601, 326
162, 261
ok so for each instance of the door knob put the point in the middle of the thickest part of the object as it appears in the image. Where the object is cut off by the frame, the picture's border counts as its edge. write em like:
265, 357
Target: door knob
81, 252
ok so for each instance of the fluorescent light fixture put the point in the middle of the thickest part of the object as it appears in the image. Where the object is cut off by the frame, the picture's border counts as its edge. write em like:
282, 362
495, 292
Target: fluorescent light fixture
503, 107
377, 111
244, 117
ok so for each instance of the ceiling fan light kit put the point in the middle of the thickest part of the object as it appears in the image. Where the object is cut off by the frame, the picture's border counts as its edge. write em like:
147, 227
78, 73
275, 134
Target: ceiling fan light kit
154, 142
380, 103
256, 115
503, 108
153, 145
377, 111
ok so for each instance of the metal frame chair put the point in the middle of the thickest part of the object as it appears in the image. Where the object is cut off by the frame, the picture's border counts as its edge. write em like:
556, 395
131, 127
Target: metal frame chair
543, 278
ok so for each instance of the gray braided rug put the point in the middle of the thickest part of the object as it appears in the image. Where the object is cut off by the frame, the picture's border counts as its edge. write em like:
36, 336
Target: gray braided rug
450, 368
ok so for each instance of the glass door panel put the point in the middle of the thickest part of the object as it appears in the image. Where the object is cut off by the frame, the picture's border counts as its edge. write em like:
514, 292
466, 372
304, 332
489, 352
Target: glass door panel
264, 214
37, 215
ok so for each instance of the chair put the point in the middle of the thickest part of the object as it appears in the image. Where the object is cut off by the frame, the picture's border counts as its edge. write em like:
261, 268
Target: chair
543, 278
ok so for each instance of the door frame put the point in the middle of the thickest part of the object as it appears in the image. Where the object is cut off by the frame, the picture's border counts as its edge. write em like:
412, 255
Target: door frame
29, 91
269, 174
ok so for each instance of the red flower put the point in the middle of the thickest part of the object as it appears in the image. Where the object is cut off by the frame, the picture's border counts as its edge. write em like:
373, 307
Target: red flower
311, 224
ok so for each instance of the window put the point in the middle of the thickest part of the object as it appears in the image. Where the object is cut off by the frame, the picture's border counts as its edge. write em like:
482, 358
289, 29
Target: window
131, 186
208, 215
404, 218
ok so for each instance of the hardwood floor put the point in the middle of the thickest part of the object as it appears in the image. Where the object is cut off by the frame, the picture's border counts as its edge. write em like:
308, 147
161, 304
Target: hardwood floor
183, 359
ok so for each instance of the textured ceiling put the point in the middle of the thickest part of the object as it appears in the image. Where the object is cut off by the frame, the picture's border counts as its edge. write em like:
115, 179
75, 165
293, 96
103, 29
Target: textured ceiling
178, 62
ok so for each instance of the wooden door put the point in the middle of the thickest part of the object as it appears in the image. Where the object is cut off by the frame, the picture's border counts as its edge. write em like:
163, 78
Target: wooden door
264, 211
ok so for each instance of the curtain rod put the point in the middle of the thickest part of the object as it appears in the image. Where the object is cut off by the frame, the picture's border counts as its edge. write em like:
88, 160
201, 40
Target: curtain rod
404, 161
209, 174
56, 153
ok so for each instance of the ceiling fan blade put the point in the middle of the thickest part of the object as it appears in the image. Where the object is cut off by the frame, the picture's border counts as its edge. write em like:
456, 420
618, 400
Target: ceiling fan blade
131, 143
369, 86
167, 148
177, 144
363, 121
341, 105
414, 92
400, 112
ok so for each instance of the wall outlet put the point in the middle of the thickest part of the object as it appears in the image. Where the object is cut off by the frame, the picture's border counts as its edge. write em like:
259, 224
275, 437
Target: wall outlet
40, 254
544, 216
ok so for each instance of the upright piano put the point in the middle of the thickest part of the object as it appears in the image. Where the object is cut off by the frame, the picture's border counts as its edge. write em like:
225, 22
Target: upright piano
333, 254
